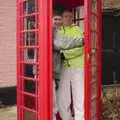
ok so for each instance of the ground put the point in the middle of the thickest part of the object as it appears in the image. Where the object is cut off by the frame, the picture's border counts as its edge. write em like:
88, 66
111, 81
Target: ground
8, 113
111, 106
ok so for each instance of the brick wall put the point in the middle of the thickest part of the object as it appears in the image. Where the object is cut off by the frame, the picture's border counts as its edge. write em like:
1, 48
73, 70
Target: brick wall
7, 43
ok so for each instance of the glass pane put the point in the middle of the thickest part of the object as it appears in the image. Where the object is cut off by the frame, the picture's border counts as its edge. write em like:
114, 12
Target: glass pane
79, 16
81, 24
30, 102
93, 72
30, 54
93, 109
29, 6
30, 38
29, 22
94, 6
93, 90
94, 57
77, 13
29, 115
29, 86
93, 22
93, 40
30, 70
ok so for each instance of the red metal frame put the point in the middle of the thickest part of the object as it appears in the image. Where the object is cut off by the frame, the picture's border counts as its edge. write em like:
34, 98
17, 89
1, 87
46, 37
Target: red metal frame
18, 59
99, 58
86, 83
45, 27
92, 52
38, 104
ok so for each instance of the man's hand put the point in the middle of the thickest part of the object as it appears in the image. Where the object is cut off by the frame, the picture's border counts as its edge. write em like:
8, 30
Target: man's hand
57, 84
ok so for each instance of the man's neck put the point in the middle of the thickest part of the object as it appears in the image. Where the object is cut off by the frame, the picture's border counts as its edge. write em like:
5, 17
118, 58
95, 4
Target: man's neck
70, 25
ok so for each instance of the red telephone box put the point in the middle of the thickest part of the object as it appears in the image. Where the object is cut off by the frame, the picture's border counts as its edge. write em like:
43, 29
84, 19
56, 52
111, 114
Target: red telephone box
34, 57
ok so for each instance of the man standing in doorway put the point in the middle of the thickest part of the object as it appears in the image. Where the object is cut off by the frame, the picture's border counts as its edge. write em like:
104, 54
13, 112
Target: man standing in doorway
56, 61
72, 76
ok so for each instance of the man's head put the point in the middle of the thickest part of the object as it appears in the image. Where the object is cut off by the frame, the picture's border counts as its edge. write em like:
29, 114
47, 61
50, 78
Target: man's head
57, 20
67, 17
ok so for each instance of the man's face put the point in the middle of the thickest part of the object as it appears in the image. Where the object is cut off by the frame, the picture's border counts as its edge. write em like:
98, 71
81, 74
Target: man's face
57, 21
67, 18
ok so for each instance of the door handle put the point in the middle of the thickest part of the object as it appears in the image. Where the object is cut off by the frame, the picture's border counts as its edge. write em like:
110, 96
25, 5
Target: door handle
91, 53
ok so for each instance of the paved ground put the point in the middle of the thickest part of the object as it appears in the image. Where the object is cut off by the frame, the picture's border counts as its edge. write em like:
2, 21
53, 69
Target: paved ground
8, 113
111, 102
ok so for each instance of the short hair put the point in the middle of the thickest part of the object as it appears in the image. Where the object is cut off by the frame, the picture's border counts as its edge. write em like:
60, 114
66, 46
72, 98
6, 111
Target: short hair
58, 10
56, 13
67, 10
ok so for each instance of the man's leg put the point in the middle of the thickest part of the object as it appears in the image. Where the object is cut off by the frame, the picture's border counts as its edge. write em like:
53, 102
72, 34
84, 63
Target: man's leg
78, 93
64, 98
55, 108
